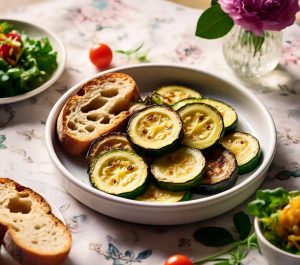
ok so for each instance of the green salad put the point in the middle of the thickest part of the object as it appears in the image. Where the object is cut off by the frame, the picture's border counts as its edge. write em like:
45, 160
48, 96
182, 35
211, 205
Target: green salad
278, 212
25, 63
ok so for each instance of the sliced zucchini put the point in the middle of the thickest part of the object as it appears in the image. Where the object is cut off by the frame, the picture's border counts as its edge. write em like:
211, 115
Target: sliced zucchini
119, 172
105, 143
179, 170
155, 130
228, 113
202, 125
221, 173
173, 94
154, 98
137, 106
186, 101
246, 149
156, 194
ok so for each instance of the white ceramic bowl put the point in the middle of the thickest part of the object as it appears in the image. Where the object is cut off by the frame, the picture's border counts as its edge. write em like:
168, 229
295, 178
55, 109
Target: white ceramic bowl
253, 118
34, 31
273, 254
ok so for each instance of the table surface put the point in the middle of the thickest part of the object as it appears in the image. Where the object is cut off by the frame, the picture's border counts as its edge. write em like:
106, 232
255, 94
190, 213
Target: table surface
167, 32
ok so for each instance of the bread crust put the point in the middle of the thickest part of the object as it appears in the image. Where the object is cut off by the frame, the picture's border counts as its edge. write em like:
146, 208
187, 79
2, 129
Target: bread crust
115, 108
10, 230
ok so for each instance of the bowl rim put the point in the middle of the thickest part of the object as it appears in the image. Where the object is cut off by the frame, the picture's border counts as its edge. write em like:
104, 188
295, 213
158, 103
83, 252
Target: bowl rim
268, 243
115, 199
56, 74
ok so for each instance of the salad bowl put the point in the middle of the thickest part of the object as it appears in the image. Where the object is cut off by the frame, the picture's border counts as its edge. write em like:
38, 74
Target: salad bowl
36, 32
273, 254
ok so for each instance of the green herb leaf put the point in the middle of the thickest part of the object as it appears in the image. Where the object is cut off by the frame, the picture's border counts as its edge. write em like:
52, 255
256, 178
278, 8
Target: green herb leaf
268, 202
214, 2
136, 53
213, 236
213, 23
242, 224
6, 27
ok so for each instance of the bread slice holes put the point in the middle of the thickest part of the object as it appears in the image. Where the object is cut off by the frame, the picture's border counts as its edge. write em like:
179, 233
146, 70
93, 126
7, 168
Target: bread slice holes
37, 227
90, 128
34, 242
95, 104
117, 109
72, 125
105, 120
93, 117
109, 93
17, 205
23, 194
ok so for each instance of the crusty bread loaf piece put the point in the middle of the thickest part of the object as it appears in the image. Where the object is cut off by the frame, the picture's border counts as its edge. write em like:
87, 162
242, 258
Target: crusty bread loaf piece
99, 106
29, 231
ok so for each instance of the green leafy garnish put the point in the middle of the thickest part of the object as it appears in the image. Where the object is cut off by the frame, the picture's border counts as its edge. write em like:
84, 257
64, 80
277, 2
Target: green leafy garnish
268, 207
213, 236
5, 27
242, 224
219, 236
268, 202
37, 63
135, 53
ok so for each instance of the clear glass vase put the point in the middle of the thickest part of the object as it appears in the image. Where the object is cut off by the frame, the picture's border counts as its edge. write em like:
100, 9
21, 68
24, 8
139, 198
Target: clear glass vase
250, 55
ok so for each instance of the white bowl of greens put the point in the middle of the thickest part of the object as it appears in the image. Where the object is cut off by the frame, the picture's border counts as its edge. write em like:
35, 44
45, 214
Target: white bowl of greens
32, 58
277, 225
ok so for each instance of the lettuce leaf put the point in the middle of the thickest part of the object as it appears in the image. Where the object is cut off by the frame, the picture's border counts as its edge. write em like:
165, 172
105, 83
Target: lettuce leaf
37, 63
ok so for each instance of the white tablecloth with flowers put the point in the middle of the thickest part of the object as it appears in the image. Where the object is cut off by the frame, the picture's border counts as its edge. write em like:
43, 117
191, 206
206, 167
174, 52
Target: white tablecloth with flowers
167, 33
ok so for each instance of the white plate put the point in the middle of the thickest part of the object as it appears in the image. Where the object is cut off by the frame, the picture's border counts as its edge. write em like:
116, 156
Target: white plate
6, 259
253, 118
34, 31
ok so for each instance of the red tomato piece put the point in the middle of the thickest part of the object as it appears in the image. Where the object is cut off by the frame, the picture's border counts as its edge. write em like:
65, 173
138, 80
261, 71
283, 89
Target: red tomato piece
5, 51
178, 260
101, 55
14, 36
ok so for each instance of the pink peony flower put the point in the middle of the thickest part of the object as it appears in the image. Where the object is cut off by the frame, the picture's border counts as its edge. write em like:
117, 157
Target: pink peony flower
260, 15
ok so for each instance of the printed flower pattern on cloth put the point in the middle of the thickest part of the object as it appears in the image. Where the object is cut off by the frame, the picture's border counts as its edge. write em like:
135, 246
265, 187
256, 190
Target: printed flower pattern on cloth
128, 257
291, 53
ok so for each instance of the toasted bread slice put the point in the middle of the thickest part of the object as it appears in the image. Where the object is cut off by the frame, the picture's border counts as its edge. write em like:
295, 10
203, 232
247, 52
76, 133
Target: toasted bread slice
99, 106
29, 231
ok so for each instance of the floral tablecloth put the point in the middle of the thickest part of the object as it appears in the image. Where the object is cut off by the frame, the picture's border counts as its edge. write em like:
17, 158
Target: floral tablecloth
166, 31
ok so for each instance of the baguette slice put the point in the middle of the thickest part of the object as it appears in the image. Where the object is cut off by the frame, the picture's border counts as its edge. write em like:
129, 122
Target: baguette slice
29, 231
99, 106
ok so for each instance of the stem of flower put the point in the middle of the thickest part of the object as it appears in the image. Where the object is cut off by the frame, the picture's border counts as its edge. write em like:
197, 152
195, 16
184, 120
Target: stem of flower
214, 257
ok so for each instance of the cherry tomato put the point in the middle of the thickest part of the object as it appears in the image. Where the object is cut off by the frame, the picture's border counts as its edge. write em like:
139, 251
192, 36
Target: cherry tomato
178, 260
101, 55
14, 36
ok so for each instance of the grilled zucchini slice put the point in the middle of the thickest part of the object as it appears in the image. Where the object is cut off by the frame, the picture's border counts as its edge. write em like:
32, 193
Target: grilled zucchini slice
172, 94
105, 143
228, 113
155, 99
179, 170
221, 173
246, 149
202, 125
119, 172
184, 102
156, 194
155, 130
